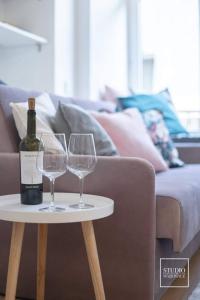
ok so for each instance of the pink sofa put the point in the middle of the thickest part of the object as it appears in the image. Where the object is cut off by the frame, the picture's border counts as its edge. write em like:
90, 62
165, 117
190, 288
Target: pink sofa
128, 248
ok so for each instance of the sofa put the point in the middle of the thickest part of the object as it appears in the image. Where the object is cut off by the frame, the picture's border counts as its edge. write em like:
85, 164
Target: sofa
155, 216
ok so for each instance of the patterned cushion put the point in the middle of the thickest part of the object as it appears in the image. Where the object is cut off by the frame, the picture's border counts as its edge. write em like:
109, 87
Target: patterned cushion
161, 138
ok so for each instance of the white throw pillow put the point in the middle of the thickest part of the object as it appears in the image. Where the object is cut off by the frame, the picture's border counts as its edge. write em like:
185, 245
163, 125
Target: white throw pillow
45, 110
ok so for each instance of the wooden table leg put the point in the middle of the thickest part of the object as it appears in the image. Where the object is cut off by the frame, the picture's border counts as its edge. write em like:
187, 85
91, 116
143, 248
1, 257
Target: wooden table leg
14, 259
93, 259
41, 260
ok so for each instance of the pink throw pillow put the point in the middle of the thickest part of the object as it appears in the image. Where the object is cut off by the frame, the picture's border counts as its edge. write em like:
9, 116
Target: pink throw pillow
110, 94
129, 134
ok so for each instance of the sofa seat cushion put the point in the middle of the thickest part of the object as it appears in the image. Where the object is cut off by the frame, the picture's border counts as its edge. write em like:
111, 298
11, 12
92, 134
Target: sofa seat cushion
178, 205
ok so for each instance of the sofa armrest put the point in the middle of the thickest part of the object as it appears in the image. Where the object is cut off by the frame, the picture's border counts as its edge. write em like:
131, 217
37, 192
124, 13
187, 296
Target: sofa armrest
127, 238
189, 152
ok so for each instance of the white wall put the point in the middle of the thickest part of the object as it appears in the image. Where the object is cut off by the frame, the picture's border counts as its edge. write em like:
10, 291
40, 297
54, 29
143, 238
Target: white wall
81, 24
108, 45
175, 47
134, 51
26, 67
87, 46
64, 45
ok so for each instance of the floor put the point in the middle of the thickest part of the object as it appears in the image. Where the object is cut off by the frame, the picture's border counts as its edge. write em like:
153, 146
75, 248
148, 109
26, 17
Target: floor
191, 293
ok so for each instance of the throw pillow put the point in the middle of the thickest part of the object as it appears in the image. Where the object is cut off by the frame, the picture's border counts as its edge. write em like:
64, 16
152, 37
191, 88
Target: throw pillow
161, 138
166, 95
2, 82
73, 119
45, 110
155, 101
128, 132
111, 95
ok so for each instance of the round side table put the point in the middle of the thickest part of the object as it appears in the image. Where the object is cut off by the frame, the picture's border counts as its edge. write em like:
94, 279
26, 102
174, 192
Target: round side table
12, 210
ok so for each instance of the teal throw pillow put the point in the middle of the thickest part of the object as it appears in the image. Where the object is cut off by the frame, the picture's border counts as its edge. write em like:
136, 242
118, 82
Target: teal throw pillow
145, 102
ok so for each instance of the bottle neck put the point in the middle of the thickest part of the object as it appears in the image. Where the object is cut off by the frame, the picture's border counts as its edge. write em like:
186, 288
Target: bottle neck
31, 124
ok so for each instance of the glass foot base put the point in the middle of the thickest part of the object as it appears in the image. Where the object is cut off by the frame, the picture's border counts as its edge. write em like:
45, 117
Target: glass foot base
81, 206
52, 209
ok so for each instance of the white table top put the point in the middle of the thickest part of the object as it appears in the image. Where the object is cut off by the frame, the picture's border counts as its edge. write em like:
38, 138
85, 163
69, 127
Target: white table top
12, 210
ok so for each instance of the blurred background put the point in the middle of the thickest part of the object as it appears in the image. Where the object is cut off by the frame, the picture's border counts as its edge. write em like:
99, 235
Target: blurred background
76, 47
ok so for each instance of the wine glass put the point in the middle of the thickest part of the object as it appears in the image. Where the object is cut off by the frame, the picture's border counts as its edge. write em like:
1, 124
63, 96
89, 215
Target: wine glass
81, 161
52, 162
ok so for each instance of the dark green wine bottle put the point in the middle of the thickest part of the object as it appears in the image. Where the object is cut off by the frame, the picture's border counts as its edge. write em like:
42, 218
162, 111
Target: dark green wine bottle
31, 186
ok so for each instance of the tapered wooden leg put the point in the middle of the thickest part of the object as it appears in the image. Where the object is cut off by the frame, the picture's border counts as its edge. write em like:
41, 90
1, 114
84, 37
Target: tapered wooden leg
14, 260
41, 260
93, 259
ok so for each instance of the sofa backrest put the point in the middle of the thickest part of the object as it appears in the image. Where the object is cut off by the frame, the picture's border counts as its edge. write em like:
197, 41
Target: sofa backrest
8, 133
9, 139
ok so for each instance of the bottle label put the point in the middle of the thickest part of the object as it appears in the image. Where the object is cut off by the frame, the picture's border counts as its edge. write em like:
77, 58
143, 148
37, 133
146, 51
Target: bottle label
29, 172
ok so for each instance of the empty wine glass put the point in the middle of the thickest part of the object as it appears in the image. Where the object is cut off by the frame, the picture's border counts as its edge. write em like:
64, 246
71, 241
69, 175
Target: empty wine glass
52, 163
81, 161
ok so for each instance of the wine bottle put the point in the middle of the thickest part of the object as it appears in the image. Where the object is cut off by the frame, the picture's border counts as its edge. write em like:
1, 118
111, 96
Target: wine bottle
31, 186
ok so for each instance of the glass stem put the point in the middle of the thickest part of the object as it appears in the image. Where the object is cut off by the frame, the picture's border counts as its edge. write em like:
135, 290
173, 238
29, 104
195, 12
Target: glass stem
81, 202
52, 181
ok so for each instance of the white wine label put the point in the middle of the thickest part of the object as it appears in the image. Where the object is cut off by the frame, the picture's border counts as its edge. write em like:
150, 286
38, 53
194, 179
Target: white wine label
29, 172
